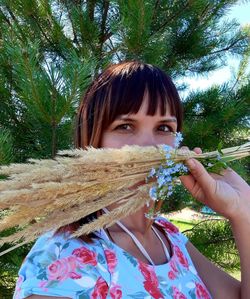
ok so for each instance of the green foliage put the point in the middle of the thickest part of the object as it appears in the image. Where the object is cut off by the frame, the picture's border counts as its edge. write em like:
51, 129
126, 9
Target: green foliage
215, 240
178, 200
6, 147
218, 115
213, 115
50, 50
10, 264
181, 37
49, 94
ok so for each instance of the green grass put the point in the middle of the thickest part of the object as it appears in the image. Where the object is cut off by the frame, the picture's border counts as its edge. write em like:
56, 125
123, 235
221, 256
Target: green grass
184, 225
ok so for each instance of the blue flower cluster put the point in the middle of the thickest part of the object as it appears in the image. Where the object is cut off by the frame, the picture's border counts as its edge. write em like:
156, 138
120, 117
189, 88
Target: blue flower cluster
166, 175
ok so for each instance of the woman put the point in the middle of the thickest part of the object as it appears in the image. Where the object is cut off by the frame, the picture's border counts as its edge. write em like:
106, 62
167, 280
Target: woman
135, 103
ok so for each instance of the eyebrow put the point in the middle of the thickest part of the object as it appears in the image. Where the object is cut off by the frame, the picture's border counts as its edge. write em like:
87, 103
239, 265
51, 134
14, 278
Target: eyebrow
167, 120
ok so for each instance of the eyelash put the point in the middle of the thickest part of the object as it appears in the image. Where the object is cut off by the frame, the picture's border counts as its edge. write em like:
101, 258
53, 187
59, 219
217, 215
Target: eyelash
121, 127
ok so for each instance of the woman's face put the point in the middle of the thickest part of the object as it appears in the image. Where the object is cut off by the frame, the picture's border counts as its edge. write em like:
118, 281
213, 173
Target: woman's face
140, 129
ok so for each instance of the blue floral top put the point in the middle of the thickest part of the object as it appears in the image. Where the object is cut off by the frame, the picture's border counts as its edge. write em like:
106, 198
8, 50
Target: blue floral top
59, 266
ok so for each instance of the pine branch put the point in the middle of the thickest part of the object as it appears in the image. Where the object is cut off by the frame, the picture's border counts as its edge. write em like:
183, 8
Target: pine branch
36, 96
170, 19
46, 37
91, 9
5, 18
228, 47
72, 25
103, 35
16, 22
155, 12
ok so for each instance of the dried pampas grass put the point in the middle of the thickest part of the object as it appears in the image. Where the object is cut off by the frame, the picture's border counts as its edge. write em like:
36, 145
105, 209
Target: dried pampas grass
44, 195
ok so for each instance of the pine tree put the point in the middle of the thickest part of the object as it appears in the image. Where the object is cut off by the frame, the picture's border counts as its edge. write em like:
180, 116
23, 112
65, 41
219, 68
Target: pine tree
50, 50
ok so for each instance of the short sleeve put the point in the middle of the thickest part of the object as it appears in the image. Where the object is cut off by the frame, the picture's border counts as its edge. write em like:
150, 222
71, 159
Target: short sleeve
57, 266
173, 230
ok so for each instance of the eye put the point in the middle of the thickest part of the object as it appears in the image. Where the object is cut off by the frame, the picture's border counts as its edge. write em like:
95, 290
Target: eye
165, 128
123, 127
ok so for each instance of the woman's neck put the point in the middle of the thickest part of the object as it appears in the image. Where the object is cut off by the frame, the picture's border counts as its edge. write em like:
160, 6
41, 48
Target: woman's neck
137, 222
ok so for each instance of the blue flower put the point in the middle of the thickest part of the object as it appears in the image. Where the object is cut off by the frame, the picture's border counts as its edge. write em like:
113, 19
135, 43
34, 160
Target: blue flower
170, 187
169, 193
177, 167
178, 139
184, 168
161, 181
153, 193
169, 163
152, 172
218, 157
167, 148
167, 173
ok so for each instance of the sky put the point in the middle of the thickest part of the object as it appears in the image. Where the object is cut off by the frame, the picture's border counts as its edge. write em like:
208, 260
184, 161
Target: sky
240, 12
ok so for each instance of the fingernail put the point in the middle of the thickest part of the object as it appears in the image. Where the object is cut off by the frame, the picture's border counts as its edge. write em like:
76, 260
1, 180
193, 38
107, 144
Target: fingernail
190, 163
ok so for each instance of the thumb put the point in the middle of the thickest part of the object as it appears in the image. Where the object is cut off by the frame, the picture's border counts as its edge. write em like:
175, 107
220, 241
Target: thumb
202, 177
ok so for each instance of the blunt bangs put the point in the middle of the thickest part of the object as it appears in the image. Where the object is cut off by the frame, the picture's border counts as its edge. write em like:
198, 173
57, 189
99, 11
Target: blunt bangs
129, 87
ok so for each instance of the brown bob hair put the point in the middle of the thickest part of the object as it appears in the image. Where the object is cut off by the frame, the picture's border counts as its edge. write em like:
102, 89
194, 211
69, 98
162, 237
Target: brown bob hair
120, 89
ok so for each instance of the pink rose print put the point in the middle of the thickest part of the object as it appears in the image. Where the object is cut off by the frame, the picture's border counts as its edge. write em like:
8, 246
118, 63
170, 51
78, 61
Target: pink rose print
153, 290
172, 274
18, 287
115, 292
63, 268
100, 290
85, 256
182, 259
173, 266
42, 284
111, 260
201, 292
151, 283
170, 228
177, 294
147, 273
19, 281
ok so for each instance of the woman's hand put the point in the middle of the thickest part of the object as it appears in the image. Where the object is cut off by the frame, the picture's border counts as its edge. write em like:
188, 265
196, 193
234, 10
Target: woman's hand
227, 194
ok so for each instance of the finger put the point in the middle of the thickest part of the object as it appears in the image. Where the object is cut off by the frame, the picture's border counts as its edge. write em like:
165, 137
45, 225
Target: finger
188, 181
203, 178
197, 150
193, 187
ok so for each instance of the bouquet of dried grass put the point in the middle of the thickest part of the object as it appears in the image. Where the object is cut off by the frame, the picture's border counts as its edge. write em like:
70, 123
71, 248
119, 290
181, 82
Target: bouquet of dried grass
44, 195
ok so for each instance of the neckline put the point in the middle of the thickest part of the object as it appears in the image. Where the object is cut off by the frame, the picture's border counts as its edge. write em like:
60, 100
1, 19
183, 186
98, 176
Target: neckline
166, 234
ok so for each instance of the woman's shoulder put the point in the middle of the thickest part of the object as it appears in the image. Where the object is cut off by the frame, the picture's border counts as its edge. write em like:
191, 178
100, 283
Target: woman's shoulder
171, 229
59, 265
53, 246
